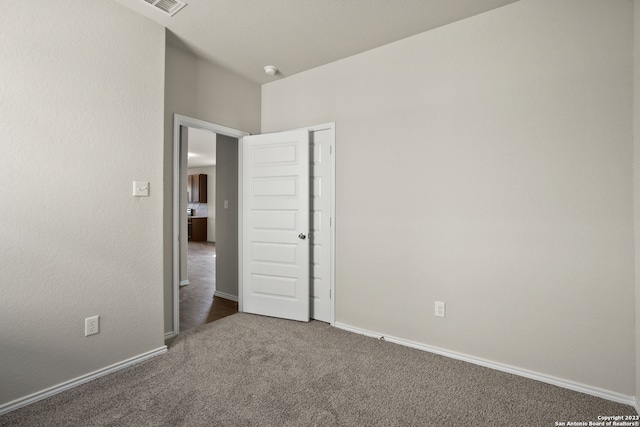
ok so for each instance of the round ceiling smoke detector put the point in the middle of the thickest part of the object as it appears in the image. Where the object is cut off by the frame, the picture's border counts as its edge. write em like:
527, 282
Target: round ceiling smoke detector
270, 70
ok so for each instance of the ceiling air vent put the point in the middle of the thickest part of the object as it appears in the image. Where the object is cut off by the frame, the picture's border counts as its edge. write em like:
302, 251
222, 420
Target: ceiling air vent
167, 6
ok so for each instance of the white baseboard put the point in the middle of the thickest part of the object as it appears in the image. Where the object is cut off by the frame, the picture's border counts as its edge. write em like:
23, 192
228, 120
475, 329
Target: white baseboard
32, 398
168, 335
184, 282
571, 385
225, 296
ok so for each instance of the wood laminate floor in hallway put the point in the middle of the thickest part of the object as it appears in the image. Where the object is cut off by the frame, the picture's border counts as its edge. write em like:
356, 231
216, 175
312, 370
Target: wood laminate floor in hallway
197, 303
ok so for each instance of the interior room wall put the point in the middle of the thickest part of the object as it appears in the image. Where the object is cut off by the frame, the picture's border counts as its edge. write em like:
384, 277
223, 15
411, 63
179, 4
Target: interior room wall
636, 179
81, 106
227, 217
506, 145
200, 89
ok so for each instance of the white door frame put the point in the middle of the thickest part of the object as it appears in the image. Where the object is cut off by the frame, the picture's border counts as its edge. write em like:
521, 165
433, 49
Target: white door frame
325, 126
180, 120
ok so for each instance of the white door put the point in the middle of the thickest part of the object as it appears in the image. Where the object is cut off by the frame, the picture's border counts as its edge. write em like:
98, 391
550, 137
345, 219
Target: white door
321, 153
275, 198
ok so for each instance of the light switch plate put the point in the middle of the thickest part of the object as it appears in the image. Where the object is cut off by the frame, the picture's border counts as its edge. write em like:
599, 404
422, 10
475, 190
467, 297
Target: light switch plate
439, 309
141, 188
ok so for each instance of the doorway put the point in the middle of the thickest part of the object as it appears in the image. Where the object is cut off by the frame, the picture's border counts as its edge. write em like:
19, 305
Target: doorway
205, 195
287, 263
199, 303
322, 271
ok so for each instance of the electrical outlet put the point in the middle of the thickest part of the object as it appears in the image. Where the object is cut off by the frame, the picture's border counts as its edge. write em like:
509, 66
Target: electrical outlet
91, 325
439, 309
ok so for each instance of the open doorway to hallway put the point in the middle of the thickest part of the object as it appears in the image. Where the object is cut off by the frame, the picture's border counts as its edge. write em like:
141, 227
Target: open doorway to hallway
198, 303
225, 212
200, 300
229, 236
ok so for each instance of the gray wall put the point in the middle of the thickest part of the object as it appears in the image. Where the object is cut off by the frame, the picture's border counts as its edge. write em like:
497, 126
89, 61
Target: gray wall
506, 145
227, 219
199, 89
74, 242
636, 181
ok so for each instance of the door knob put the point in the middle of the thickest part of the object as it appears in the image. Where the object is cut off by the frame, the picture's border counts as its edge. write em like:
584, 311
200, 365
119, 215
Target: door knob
302, 236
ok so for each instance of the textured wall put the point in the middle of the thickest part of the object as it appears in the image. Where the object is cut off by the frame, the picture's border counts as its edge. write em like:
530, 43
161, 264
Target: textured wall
506, 149
81, 110
227, 233
202, 90
636, 171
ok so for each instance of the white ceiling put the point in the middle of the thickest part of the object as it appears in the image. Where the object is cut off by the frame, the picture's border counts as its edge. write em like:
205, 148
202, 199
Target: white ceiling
202, 148
296, 35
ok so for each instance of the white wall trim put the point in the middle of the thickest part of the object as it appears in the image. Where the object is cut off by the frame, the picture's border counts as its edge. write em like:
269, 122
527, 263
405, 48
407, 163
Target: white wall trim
184, 282
560, 382
32, 398
240, 228
636, 405
331, 126
225, 296
169, 334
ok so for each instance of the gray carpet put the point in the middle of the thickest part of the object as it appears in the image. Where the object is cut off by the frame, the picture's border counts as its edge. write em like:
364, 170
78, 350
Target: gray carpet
247, 370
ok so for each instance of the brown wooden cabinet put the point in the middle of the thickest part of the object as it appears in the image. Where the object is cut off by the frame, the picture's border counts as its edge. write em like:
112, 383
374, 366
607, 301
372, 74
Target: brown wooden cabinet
197, 229
197, 188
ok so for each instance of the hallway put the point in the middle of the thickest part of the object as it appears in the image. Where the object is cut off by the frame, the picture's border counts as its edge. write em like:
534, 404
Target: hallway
197, 303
